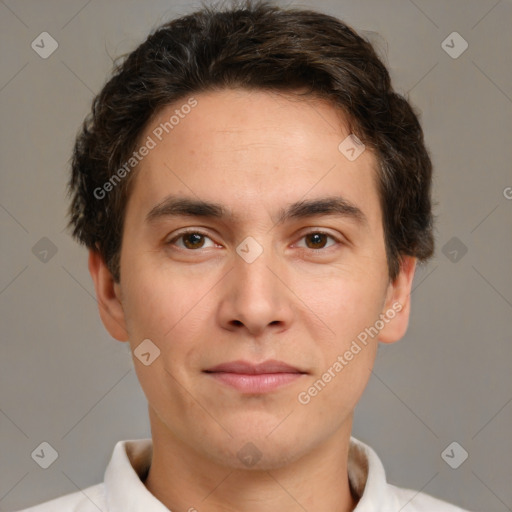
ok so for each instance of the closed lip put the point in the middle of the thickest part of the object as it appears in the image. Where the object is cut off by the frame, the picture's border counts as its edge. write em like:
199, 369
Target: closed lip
247, 368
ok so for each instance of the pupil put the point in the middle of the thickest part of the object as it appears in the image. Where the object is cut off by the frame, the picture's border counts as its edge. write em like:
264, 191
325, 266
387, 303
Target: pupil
317, 238
195, 237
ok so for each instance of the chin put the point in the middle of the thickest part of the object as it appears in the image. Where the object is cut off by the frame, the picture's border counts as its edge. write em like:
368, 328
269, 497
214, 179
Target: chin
250, 449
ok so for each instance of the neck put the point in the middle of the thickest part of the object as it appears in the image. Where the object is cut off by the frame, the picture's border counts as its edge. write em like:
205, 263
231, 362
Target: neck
187, 481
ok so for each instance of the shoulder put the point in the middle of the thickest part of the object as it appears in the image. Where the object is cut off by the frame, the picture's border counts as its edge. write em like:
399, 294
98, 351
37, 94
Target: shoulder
414, 501
91, 499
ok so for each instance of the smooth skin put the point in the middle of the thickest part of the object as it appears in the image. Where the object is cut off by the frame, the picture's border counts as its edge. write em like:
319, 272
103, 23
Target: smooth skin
302, 301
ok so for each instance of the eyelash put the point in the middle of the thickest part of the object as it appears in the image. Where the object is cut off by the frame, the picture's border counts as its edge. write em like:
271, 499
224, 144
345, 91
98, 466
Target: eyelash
198, 232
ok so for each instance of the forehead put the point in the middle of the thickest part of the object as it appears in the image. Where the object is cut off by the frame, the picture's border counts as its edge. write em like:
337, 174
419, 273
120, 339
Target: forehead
250, 149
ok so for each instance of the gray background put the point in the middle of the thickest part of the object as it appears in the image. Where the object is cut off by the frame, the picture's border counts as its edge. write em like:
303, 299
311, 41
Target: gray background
65, 381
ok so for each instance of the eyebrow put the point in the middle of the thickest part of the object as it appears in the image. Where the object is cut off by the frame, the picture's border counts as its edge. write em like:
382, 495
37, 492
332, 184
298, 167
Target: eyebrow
174, 206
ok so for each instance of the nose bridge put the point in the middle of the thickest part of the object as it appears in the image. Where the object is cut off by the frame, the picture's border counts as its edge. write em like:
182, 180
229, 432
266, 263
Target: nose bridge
255, 296
252, 264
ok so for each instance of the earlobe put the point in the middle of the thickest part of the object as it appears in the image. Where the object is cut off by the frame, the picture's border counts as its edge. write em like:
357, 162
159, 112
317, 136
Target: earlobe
107, 296
397, 306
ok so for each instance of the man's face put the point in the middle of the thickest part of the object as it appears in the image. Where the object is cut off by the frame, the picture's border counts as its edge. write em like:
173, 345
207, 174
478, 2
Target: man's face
250, 285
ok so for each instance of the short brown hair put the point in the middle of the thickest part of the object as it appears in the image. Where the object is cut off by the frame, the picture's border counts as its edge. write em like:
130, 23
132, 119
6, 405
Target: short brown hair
253, 45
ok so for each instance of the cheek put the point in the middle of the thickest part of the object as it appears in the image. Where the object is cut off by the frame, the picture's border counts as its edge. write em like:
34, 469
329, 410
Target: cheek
151, 305
340, 382
347, 304
351, 381
168, 309
349, 307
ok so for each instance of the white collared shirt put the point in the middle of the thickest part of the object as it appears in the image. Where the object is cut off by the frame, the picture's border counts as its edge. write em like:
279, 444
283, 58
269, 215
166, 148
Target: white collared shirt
124, 491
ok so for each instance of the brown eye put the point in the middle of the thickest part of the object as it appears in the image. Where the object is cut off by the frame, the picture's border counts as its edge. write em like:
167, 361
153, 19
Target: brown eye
190, 240
193, 240
317, 240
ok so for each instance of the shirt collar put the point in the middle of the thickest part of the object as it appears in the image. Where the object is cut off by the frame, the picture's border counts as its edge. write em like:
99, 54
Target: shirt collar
125, 491
368, 478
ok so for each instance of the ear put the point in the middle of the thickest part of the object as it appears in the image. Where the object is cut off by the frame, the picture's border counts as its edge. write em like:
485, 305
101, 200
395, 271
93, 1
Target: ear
108, 295
397, 305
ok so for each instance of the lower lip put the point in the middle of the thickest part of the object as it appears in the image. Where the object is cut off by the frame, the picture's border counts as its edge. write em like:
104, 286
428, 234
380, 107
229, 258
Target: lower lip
261, 383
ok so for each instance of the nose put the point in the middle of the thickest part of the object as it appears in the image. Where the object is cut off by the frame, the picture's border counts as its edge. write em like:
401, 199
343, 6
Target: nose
255, 296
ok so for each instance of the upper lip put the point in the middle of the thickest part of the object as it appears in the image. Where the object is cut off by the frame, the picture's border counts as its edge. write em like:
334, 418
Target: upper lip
244, 367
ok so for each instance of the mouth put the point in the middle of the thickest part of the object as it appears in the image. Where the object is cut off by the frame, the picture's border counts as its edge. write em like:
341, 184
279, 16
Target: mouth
255, 378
